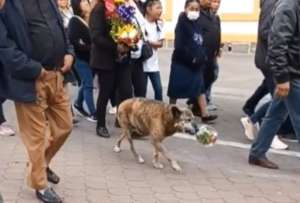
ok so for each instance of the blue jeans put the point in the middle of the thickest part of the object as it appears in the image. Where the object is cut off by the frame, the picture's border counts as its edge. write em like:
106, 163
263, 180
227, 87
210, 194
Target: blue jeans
85, 93
156, 84
278, 112
261, 112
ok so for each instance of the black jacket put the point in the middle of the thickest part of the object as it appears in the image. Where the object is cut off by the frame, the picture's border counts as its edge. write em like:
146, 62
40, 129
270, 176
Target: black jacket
79, 35
264, 26
211, 26
189, 49
104, 49
284, 41
18, 72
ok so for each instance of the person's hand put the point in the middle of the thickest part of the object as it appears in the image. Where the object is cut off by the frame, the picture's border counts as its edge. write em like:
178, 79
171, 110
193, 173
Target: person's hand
2, 2
68, 62
282, 90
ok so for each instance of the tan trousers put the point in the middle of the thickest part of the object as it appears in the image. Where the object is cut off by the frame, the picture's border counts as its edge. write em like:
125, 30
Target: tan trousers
44, 126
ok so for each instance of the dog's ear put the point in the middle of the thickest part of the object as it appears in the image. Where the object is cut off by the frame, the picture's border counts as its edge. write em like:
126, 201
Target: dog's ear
176, 112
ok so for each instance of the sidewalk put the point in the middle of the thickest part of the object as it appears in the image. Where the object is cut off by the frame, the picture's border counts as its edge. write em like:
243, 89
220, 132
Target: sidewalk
92, 173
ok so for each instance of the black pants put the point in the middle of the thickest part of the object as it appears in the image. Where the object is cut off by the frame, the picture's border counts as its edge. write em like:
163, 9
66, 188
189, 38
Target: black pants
209, 75
259, 93
2, 119
106, 81
131, 81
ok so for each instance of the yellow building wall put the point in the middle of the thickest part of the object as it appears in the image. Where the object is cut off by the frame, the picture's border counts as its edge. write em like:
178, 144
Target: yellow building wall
236, 17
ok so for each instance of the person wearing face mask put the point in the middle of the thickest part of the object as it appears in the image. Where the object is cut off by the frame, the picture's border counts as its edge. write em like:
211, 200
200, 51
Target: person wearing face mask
212, 42
189, 57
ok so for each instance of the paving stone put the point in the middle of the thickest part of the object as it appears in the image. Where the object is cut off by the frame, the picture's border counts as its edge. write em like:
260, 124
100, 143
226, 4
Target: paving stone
213, 201
256, 200
92, 173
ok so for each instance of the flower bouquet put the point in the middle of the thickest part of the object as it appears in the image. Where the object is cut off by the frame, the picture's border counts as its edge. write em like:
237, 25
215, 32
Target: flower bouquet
207, 135
121, 17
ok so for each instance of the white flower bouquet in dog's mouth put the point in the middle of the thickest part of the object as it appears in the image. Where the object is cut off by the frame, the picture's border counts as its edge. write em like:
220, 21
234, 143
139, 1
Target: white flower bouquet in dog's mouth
207, 135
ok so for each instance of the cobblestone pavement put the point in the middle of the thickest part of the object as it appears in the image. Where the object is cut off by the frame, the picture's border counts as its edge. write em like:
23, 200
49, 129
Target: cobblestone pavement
92, 173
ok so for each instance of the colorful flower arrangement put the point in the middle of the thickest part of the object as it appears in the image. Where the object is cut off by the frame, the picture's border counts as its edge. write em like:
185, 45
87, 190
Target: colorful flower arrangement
121, 16
207, 136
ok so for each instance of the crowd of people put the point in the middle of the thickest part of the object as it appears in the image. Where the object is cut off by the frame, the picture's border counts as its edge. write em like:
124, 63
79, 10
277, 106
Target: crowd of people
47, 44
123, 73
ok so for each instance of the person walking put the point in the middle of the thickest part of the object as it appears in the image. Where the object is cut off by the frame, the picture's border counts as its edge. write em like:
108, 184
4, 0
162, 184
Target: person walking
211, 23
4, 130
35, 55
215, 6
283, 59
251, 122
79, 35
104, 63
188, 60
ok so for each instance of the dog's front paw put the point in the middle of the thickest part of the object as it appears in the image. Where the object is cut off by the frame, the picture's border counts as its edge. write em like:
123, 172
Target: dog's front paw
117, 149
141, 160
176, 166
158, 165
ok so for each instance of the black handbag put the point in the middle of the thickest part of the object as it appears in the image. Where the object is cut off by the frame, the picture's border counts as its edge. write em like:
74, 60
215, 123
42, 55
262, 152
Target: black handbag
147, 50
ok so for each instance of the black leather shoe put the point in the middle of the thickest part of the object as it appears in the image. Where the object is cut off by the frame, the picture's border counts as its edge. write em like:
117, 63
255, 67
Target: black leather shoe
49, 196
80, 110
52, 177
103, 132
209, 118
262, 162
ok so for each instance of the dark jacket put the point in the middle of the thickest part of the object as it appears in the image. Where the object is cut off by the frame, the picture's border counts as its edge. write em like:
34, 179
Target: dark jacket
264, 26
104, 49
18, 72
211, 26
189, 49
284, 41
79, 35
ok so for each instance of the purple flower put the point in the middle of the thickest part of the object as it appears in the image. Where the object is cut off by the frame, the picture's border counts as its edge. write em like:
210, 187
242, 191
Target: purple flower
126, 13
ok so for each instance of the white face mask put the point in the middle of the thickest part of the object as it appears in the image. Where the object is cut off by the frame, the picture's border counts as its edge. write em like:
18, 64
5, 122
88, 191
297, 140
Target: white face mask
193, 15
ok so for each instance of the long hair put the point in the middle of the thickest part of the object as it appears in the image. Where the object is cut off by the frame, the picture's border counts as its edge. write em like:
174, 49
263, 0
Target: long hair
76, 7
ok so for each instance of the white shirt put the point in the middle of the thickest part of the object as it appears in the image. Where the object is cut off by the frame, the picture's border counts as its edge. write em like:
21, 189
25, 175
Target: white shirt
153, 35
66, 16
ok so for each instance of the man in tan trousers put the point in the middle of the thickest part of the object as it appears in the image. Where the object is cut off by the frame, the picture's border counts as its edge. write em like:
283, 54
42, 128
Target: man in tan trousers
35, 55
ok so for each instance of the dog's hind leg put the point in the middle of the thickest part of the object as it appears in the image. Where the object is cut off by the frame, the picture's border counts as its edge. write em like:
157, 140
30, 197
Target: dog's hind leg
138, 157
117, 147
158, 146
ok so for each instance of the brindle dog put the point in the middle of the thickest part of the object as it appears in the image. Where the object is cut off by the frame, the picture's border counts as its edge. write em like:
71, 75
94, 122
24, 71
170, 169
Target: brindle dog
158, 120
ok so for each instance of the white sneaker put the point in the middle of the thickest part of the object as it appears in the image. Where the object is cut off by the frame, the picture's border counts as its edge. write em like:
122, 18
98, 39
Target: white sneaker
212, 107
6, 131
92, 119
278, 144
112, 110
249, 127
